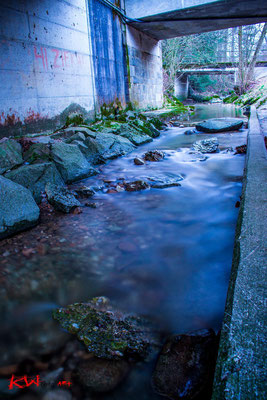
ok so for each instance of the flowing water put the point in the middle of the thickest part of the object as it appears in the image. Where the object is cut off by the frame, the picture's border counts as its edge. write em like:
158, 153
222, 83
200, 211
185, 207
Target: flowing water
165, 253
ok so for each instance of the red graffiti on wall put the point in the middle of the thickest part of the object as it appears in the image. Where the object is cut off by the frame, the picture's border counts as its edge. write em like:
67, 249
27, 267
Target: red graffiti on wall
52, 58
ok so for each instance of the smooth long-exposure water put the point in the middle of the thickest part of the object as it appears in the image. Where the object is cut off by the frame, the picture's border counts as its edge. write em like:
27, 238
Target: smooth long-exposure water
165, 253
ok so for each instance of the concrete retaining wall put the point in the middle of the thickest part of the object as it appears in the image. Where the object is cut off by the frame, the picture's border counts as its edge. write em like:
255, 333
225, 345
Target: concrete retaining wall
145, 69
56, 52
45, 62
241, 366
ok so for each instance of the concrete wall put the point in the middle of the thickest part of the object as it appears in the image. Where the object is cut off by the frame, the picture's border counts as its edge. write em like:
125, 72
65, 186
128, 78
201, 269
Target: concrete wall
45, 61
145, 69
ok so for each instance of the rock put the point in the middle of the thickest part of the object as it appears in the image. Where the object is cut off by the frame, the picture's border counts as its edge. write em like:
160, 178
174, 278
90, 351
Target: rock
112, 146
154, 155
136, 185
102, 375
61, 198
69, 132
136, 138
206, 145
90, 204
190, 132
185, 366
165, 181
37, 153
18, 210
77, 136
34, 177
241, 149
85, 191
70, 162
106, 332
216, 125
10, 155
106, 146
139, 161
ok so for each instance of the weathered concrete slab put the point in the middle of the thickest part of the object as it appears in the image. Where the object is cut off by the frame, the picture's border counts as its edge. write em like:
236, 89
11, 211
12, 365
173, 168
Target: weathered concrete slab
241, 365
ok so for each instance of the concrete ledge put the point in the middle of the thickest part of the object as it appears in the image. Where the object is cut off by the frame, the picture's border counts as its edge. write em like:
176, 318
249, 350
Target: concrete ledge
241, 365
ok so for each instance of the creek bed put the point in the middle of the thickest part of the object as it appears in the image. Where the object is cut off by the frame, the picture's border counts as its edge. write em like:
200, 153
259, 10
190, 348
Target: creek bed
165, 253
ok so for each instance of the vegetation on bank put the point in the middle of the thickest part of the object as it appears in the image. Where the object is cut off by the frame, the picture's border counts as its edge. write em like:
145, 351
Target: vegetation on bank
256, 95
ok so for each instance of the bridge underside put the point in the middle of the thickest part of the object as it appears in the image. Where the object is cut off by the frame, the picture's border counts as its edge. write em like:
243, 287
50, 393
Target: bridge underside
207, 17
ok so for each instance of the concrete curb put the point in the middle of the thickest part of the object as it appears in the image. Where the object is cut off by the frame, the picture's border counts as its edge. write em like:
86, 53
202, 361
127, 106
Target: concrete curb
240, 370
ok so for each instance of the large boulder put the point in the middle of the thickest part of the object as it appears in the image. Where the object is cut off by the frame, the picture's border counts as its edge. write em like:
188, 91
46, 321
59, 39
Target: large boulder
185, 367
106, 146
216, 125
10, 155
35, 176
106, 332
206, 145
18, 210
71, 162
61, 198
38, 152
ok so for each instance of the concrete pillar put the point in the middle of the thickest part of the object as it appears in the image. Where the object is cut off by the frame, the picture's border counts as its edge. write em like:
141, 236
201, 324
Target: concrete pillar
181, 86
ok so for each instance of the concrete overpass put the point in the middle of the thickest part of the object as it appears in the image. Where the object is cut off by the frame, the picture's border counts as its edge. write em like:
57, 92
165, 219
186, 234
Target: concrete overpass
173, 18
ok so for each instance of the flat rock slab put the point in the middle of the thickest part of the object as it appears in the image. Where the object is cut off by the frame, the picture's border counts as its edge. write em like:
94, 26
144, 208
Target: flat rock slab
216, 125
18, 210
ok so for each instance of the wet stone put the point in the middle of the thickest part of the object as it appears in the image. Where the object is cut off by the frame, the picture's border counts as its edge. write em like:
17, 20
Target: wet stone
136, 186
207, 145
154, 155
10, 154
217, 125
139, 161
106, 332
165, 181
61, 198
186, 364
101, 375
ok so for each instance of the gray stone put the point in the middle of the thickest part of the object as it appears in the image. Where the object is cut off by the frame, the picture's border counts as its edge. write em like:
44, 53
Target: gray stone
165, 181
69, 132
216, 125
112, 146
102, 375
139, 161
71, 162
77, 136
61, 198
206, 145
35, 176
185, 367
10, 155
190, 132
136, 138
37, 153
18, 210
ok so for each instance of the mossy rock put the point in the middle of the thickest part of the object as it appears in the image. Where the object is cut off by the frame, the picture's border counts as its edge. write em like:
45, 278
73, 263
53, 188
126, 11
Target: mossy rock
106, 332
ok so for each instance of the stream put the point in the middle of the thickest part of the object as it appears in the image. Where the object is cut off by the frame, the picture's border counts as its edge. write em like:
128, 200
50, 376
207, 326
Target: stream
164, 253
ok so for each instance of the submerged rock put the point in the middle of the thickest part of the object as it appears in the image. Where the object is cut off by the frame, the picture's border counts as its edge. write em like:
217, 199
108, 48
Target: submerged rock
106, 332
216, 125
165, 181
190, 132
70, 162
154, 155
206, 145
18, 210
34, 177
139, 161
185, 366
102, 375
10, 155
136, 186
61, 198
